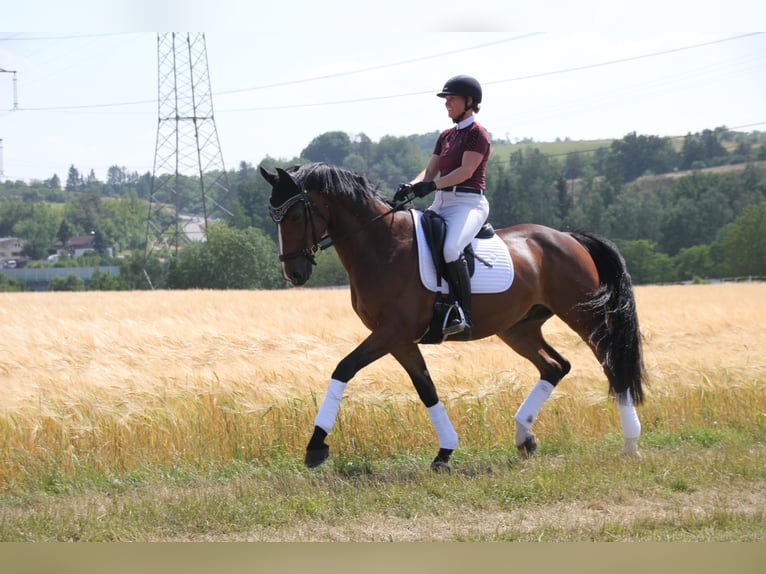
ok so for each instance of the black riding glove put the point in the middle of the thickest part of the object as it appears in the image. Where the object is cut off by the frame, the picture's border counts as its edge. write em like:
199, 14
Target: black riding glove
423, 188
402, 191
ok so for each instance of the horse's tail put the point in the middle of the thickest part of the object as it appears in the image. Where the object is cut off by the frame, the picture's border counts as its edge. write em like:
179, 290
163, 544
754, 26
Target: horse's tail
618, 337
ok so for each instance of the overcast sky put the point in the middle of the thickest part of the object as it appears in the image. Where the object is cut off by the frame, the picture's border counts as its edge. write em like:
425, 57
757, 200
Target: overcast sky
285, 73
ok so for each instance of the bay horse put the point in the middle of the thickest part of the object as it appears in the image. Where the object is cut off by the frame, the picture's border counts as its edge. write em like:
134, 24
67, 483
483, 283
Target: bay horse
580, 277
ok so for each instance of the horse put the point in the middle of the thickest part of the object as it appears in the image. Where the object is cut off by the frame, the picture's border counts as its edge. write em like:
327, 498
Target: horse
578, 276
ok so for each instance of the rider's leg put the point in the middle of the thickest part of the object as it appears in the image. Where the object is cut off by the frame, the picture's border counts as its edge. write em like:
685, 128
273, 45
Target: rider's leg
460, 285
464, 216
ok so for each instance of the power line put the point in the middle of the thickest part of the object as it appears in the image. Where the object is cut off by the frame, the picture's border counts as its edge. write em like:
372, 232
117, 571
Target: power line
69, 37
408, 94
515, 79
299, 81
624, 60
380, 66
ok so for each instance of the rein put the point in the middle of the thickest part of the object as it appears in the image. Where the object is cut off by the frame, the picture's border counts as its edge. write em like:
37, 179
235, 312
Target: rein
324, 242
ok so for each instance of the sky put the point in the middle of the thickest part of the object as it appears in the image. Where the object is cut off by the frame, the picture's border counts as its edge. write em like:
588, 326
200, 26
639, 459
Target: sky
82, 89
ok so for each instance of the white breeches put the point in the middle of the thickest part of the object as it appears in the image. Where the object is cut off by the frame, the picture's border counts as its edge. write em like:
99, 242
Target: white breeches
464, 213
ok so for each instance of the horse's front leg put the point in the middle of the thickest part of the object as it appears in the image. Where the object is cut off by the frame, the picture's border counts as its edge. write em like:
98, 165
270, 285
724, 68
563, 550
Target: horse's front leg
410, 357
375, 346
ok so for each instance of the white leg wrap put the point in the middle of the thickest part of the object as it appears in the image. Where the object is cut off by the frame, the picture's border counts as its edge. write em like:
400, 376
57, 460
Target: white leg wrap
444, 429
631, 426
328, 412
529, 409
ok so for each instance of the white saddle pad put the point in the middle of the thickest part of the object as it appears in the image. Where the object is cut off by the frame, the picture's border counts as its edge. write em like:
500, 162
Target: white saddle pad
495, 279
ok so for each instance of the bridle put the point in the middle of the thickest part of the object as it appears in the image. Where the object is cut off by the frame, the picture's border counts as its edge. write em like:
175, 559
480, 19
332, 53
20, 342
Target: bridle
278, 214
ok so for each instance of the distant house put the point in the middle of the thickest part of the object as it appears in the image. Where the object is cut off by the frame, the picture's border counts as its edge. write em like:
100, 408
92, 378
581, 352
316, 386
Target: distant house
10, 251
79, 245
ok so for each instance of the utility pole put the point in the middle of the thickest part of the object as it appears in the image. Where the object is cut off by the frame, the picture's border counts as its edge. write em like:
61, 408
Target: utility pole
15, 107
189, 184
15, 87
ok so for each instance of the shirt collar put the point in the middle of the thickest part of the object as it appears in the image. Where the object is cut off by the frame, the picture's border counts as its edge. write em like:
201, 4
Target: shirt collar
466, 122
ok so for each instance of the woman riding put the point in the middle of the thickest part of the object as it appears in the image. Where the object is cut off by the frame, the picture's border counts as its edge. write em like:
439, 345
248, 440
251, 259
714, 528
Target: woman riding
456, 171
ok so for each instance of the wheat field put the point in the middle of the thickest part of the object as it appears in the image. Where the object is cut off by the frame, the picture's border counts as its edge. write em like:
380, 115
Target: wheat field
115, 380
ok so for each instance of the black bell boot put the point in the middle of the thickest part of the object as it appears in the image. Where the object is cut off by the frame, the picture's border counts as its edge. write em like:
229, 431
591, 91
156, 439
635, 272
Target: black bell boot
460, 284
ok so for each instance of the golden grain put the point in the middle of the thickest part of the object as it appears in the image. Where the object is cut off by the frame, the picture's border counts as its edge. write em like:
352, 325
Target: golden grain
139, 376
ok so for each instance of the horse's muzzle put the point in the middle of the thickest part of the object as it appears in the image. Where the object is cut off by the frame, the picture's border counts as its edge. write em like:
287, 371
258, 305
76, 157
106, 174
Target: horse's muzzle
296, 274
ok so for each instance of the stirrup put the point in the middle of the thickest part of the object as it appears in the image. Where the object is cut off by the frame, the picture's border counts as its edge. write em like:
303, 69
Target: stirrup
455, 327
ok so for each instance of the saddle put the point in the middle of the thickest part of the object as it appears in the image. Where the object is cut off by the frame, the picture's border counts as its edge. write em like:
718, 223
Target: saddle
435, 231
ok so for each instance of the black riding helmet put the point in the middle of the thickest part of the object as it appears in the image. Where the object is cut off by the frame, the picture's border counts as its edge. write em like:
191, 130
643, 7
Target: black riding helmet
462, 86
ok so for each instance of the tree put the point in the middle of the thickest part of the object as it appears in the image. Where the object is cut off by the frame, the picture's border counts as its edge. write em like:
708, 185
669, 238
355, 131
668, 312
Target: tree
574, 165
589, 211
91, 179
564, 199
645, 264
74, 179
634, 156
698, 210
329, 271
529, 190
395, 160
102, 281
9, 284
135, 266
635, 214
695, 262
115, 176
251, 208
743, 243
38, 228
69, 283
65, 232
330, 147
702, 148
229, 259
53, 183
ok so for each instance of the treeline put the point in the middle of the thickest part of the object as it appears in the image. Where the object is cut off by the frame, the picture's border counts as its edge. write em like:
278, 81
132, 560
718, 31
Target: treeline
670, 224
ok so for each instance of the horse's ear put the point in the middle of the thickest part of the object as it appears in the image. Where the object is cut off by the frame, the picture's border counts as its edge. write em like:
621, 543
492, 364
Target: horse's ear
272, 178
287, 179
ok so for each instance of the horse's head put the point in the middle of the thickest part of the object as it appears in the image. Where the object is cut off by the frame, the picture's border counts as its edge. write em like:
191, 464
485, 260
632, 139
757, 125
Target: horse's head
299, 225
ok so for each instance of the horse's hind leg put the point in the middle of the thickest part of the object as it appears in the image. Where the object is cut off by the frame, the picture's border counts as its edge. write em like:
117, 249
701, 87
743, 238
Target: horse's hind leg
527, 340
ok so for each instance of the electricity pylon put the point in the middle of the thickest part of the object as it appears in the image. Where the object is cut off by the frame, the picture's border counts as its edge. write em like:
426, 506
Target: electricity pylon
189, 186
15, 107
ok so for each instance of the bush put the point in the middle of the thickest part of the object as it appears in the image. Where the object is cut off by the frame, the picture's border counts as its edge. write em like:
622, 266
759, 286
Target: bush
70, 283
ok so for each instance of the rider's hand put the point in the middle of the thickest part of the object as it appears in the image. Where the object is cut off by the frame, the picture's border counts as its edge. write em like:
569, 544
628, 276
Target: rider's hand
402, 191
423, 188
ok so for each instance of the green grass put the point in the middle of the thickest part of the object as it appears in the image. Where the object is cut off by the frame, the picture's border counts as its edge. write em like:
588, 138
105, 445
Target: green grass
570, 491
205, 467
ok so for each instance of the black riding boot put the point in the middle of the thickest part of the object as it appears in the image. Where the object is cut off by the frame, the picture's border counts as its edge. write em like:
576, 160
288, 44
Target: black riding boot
460, 283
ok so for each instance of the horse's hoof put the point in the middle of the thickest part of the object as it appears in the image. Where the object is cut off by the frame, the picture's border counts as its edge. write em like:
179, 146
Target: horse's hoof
632, 454
528, 447
441, 466
315, 457
630, 448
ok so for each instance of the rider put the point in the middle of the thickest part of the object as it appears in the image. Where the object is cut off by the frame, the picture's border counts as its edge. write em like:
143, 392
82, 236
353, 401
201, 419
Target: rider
456, 171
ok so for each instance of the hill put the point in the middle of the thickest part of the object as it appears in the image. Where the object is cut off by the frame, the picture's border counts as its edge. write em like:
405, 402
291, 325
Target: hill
558, 148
